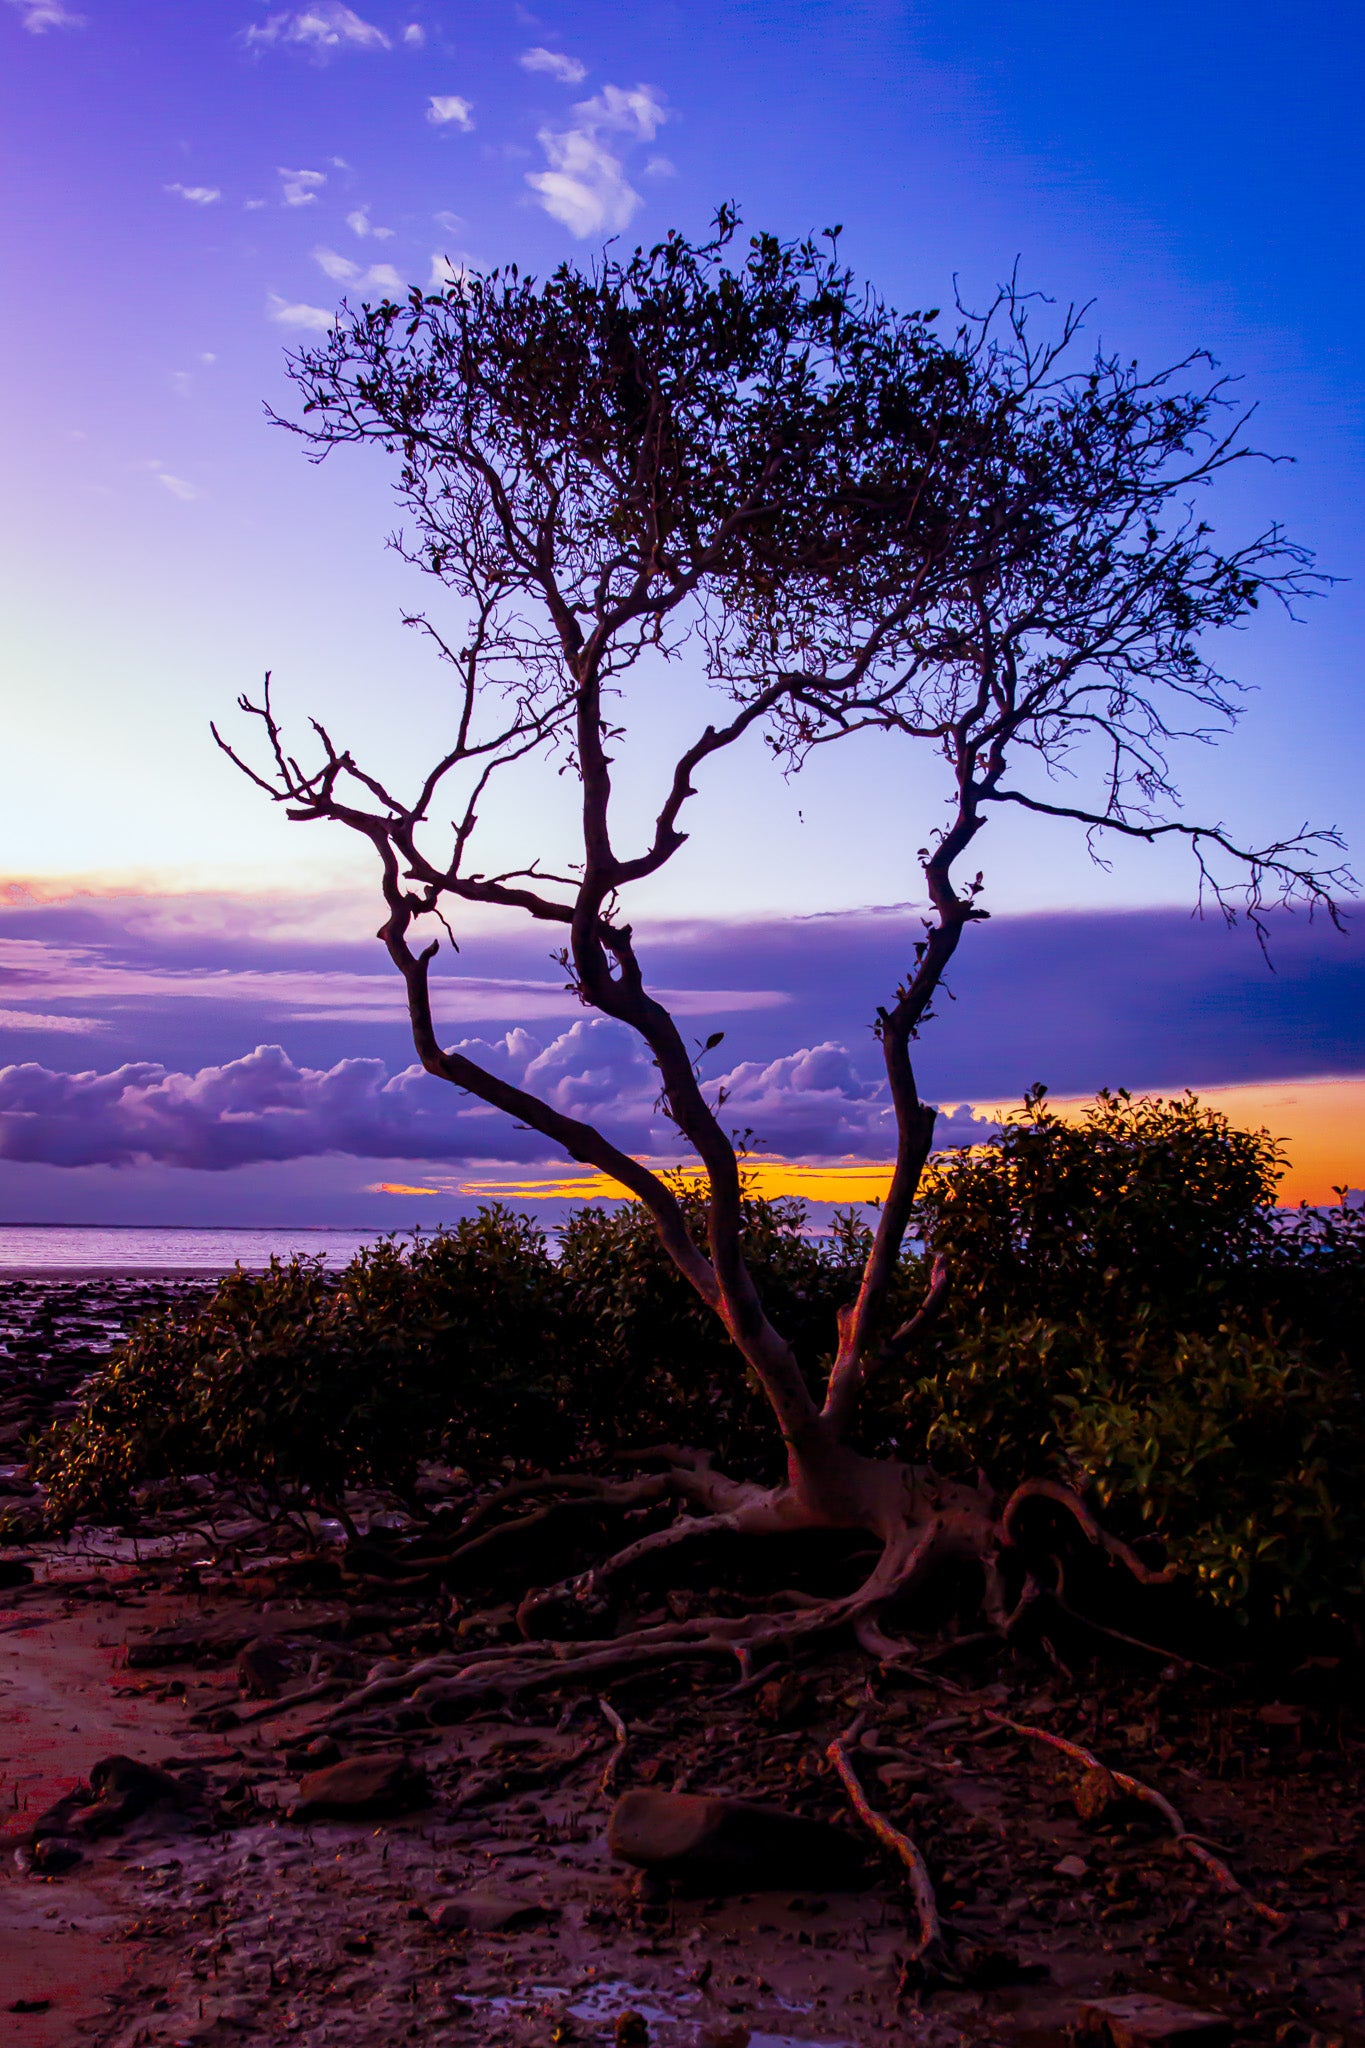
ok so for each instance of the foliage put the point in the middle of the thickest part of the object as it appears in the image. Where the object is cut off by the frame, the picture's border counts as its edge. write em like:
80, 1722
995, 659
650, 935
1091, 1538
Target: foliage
1131, 1313
655, 1362
296, 1384
1128, 1311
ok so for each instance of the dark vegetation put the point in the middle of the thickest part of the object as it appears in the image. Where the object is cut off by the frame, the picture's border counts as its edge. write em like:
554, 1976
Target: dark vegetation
1131, 1316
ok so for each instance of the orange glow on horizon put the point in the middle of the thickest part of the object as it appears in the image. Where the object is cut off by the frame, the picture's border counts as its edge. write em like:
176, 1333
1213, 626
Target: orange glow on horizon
1320, 1119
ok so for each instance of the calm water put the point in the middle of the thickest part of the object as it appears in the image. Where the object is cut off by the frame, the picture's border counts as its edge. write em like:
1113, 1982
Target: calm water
94, 1248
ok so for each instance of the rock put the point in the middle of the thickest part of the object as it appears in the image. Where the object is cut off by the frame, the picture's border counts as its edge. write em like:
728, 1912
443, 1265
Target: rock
361, 1788
720, 2035
730, 1843
14, 1572
30, 2005
1137, 2021
217, 1720
53, 1854
630, 2030
485, 1912
264, 1667
1071, 1866
120, 1789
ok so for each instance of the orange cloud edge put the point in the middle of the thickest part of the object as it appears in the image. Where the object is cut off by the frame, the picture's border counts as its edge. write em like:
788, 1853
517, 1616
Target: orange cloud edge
1320, 1119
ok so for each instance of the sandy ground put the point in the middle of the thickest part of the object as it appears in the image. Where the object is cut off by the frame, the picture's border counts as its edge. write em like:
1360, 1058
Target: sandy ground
64, 1702
224, 1921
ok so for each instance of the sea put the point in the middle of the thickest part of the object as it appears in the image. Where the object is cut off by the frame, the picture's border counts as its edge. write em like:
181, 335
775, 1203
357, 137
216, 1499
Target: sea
63, 1250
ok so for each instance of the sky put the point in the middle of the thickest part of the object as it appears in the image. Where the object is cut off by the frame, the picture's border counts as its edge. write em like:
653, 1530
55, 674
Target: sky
195, 1021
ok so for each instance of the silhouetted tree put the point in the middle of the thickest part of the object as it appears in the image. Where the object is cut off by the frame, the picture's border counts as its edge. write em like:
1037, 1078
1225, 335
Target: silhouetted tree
853, 522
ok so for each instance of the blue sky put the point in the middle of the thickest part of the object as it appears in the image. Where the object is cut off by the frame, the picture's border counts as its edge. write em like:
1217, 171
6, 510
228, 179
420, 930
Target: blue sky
192, 188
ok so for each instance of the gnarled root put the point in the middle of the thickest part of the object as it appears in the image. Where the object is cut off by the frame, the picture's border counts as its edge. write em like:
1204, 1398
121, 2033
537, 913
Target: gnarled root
923, 1522
1189, 1844
928, 1951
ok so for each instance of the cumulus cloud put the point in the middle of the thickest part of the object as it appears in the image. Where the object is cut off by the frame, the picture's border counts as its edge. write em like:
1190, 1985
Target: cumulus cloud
586, 186
197, 195
265, 1107
446, 109
379, 276
305, 318
554, 64
301, 188
321, 29
38, 16
414, 35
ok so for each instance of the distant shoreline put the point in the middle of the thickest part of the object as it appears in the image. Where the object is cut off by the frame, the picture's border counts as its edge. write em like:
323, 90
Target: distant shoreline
55, 1272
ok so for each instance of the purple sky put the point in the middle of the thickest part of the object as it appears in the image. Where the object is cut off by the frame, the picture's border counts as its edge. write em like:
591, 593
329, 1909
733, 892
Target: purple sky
195, 186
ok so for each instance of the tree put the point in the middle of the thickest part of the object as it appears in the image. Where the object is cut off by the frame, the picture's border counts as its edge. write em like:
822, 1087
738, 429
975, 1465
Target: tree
854, 523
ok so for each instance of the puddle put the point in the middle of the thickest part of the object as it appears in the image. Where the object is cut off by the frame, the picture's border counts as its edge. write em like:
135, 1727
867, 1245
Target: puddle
596, 2004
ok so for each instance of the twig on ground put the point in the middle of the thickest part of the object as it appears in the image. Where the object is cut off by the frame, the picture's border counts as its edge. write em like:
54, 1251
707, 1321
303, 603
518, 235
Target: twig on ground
1191, 1845
622, 1735
1134, 1642
928, 1949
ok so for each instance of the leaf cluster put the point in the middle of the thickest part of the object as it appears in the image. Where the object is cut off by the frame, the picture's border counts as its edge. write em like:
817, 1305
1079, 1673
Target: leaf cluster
1133, 1314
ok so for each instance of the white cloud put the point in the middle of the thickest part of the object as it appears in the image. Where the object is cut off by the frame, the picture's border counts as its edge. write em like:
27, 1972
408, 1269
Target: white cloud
322, 28
339, 268
359, 223
308, 319
177, 487
414, 35
197, 195
639, 112
382, 277
41, 15
379, 276
301, 188
444, 273
445, 108
586, 186
451, 222
660, 167
37, 1020
554, 64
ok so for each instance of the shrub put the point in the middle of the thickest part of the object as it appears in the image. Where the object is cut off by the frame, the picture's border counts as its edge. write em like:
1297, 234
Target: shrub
1128, 1311
294, 1384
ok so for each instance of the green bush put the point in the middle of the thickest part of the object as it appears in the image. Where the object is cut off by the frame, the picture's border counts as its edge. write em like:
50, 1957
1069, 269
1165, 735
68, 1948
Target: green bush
1128, 1311
294, 1384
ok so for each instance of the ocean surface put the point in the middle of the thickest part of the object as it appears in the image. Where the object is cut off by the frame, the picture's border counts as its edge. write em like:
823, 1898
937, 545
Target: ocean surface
56, 1248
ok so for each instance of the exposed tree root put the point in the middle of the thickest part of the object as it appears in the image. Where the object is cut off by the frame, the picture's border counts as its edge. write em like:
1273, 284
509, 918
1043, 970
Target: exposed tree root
622, 1735
923, 1523
928, 1951
1190, 1844
1067, 1499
